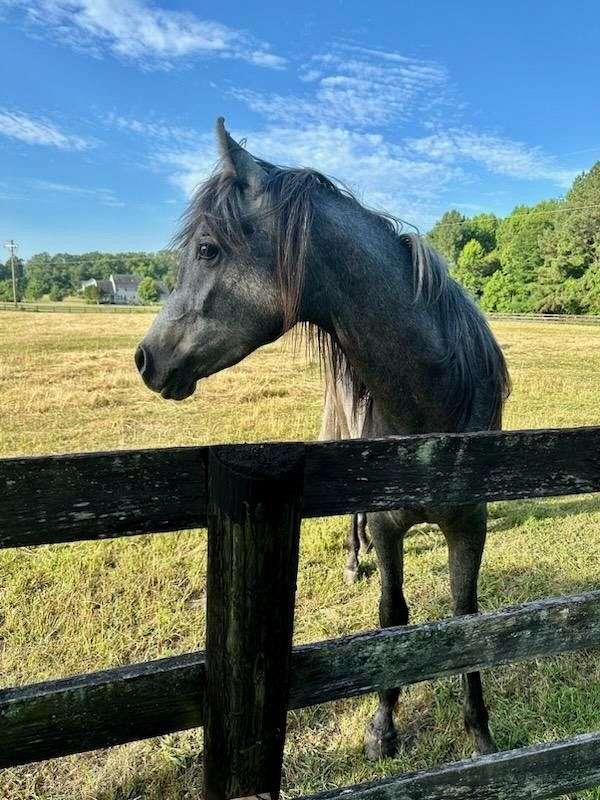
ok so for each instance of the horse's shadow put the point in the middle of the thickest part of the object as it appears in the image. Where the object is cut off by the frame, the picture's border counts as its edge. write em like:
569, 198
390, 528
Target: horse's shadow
505, 516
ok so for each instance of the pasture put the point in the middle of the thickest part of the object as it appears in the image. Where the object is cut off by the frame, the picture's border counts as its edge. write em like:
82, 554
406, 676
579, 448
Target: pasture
67, 383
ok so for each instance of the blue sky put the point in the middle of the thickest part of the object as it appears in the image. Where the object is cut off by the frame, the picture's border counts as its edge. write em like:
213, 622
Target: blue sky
107, 106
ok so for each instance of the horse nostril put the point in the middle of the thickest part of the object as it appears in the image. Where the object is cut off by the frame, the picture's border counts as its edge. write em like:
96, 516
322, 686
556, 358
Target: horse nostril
142, 361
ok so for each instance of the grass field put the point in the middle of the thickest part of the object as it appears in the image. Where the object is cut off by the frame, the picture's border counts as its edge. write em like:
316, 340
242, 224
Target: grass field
67, 383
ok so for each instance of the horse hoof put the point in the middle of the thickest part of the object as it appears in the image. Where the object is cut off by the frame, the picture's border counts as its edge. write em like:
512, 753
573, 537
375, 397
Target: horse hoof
380, 745
350, 576
485, 747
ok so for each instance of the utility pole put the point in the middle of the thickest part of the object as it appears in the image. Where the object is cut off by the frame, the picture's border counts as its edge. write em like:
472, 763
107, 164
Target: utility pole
13, 247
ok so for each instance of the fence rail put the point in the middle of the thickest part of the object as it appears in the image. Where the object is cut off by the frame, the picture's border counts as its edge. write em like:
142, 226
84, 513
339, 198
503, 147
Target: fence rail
83, 308
573, 319
122, 493
530, 773
71, 715
251, 498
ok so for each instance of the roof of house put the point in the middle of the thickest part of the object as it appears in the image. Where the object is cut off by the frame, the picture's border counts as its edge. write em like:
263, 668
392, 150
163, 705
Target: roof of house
105, 287
125, 283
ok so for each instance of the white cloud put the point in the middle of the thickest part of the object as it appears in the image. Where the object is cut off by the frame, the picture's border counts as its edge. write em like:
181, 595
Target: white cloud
263, 58
356, 87
384, 175
151, 128
105, 197
365, 89
499, 155
17, 125
411, 179
141, 32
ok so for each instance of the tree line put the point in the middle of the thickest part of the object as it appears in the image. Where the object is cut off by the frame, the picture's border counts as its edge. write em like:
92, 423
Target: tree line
61, 275
543, 258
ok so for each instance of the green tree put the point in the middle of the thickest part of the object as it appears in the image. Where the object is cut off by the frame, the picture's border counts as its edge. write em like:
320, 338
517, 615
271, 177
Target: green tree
568, 279
57, 293
6, 284
522, 238
148, 291
91, 294
483, 228
575, 243
169, 264
449, 235
39, 279
504, 292
470, 267
590, 289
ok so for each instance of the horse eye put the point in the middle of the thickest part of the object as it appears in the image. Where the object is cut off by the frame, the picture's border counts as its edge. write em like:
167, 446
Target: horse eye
207, 251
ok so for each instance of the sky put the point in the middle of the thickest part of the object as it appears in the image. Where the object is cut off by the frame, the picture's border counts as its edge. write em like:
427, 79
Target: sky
107, 107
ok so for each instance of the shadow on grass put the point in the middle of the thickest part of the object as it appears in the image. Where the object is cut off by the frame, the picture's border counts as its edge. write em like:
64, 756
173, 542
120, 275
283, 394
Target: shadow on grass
505, 516
502, 517
181, 779
501, 588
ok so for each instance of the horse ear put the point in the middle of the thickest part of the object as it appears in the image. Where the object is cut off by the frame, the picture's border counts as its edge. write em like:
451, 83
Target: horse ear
237, 161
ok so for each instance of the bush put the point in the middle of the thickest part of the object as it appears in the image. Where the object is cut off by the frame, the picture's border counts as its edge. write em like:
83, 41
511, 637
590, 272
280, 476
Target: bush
57, 293
91, 294
503, 292
148, 291
6, 291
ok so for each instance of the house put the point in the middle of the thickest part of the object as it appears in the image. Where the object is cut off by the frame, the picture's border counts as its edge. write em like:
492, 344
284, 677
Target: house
121, 290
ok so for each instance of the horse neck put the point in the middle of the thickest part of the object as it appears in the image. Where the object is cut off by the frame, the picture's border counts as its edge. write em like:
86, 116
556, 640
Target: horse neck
364, 297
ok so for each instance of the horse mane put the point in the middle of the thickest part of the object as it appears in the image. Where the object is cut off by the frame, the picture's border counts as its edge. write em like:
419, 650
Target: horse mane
289, 201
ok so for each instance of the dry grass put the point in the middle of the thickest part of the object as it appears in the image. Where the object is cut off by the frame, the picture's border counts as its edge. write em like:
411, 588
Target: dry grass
67, 383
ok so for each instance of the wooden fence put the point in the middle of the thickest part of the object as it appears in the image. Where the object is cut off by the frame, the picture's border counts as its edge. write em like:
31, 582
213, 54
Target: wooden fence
66, 308
79, 308
573, 319
252, 498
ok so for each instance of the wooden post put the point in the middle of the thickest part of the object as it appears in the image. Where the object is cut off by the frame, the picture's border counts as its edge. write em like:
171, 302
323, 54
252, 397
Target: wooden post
254, 515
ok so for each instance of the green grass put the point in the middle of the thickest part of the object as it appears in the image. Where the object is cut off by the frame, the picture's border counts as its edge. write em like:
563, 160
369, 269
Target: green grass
67, 383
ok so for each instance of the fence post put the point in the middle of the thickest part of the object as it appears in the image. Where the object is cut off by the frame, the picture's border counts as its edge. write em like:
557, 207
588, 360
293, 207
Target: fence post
254, 515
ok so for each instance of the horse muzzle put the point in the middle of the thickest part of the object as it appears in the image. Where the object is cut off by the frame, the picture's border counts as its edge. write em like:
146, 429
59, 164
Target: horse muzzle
174, 383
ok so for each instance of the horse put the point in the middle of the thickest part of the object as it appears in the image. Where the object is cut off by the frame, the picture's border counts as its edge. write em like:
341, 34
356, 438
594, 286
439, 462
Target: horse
263, 248
341, 420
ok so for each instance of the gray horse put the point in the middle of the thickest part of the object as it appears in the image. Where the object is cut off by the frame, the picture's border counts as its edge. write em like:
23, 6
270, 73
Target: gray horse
263, 248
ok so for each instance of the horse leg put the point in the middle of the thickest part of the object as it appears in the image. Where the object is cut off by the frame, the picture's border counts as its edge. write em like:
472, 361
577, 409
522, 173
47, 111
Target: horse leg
352, 546
357, 542
465, 536
380, 736
363, 536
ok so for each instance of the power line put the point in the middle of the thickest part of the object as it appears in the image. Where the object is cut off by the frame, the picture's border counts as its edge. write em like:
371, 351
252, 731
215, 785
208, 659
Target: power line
13, 247
529, 214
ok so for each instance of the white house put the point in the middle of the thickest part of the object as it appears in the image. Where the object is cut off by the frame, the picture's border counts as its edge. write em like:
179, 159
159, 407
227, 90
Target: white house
121, 290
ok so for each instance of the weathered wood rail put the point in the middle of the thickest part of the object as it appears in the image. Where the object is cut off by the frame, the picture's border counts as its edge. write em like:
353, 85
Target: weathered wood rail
252, 498
70, 715
126, 492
